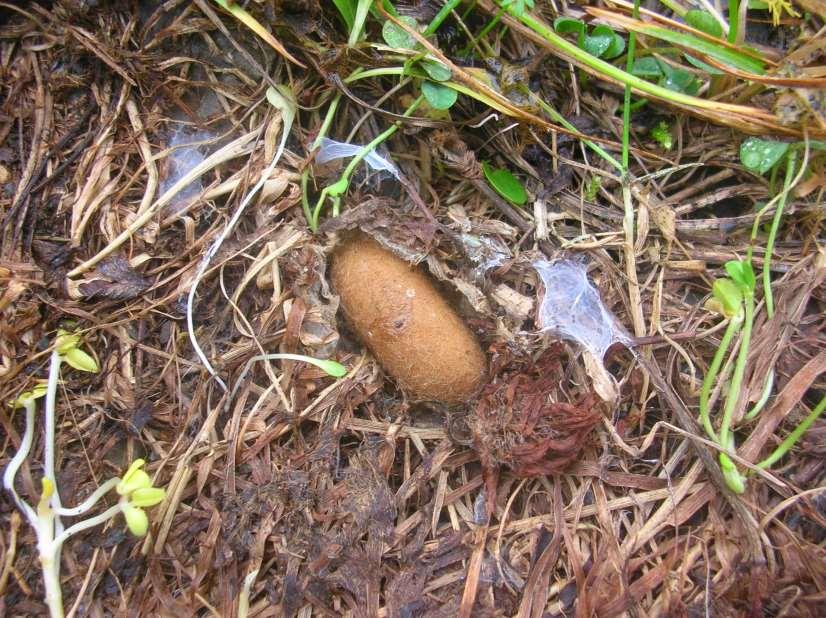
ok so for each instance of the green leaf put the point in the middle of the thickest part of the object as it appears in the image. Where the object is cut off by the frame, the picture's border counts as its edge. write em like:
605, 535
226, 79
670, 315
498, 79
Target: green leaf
436, 70
702, 65
662, 134
80, 360
136, 519
760, 155
729, 295
28, 398
347, 9
147, 496
439, 96
338, 187
396, 37
616, 47
505, 184
704, 22
742, 273
569, 25
598, 42
718, 51
678, 80
647, 66
331, 367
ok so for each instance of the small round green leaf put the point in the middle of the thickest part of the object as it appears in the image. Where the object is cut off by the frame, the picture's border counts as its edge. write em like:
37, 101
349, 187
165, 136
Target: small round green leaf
569, 25
436, 70
704, 22
760, 155
646, 66
616, 47
505, 184
598, 42
396, 37
678, 80
439, 96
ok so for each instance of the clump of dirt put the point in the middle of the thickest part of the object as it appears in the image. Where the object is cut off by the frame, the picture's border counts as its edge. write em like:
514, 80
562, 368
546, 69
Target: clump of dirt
411, 329
529, 419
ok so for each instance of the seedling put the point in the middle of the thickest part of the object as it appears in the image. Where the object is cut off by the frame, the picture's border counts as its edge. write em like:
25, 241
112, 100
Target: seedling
734, 298
427, 71
134, 488
601, 41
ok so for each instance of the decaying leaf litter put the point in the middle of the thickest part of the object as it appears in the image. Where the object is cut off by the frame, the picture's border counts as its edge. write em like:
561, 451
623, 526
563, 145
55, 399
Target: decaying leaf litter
578, 480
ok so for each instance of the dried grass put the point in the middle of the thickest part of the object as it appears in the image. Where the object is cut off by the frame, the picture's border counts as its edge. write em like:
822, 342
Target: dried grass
344, 496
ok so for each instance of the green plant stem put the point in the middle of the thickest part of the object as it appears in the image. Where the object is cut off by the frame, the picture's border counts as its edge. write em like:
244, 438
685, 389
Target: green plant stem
626, 104
344, 179
764, 396
609, 70
733, 393
733, 20
437, 20
794, 436
488, 27
711, 377
91, 500
322, 133
778, 214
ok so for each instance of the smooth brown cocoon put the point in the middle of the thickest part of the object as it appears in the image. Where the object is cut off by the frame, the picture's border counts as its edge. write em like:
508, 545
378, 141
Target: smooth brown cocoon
411, 330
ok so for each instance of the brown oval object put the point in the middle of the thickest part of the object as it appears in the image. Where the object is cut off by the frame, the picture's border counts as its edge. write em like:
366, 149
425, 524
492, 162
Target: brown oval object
412, 331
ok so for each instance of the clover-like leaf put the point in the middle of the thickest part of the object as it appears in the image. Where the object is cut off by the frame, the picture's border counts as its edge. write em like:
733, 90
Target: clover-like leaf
396, 36
439, 96
760, 155
569, 25
505, 184
436, 70
616, 47
598, 42
678, 80
647, 66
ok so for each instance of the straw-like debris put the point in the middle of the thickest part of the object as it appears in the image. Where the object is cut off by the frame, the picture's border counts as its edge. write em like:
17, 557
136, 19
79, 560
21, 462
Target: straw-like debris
131, 133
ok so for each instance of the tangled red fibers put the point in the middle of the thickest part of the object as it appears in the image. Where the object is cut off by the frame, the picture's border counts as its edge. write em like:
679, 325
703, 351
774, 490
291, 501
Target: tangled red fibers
528, 420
